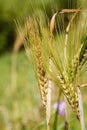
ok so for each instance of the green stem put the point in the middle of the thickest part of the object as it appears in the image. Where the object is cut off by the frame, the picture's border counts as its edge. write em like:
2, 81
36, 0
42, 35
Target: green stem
66, 115
56, 114
48, 107
82, 121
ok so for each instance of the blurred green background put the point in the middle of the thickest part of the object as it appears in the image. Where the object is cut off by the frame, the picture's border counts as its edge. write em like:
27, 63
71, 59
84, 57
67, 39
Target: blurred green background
17, 10
20, 102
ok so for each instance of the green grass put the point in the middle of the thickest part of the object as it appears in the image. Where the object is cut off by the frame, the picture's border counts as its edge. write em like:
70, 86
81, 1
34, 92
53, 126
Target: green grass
22, 109
23, 101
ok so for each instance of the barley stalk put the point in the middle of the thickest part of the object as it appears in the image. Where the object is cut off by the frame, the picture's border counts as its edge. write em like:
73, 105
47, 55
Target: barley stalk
34, 38
66, 88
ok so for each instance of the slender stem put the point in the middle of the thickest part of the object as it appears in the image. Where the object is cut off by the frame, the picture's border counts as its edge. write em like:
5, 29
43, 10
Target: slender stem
56, 114
48, 126
67, 30
55, 120
48, 107
81, 110
66, 115
66, 39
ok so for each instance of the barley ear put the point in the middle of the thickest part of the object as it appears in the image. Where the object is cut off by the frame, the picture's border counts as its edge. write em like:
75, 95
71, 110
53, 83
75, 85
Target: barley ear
66, 88
34, 41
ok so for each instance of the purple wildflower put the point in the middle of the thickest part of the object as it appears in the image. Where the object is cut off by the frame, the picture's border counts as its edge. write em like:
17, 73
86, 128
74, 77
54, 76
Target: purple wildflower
61, 107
